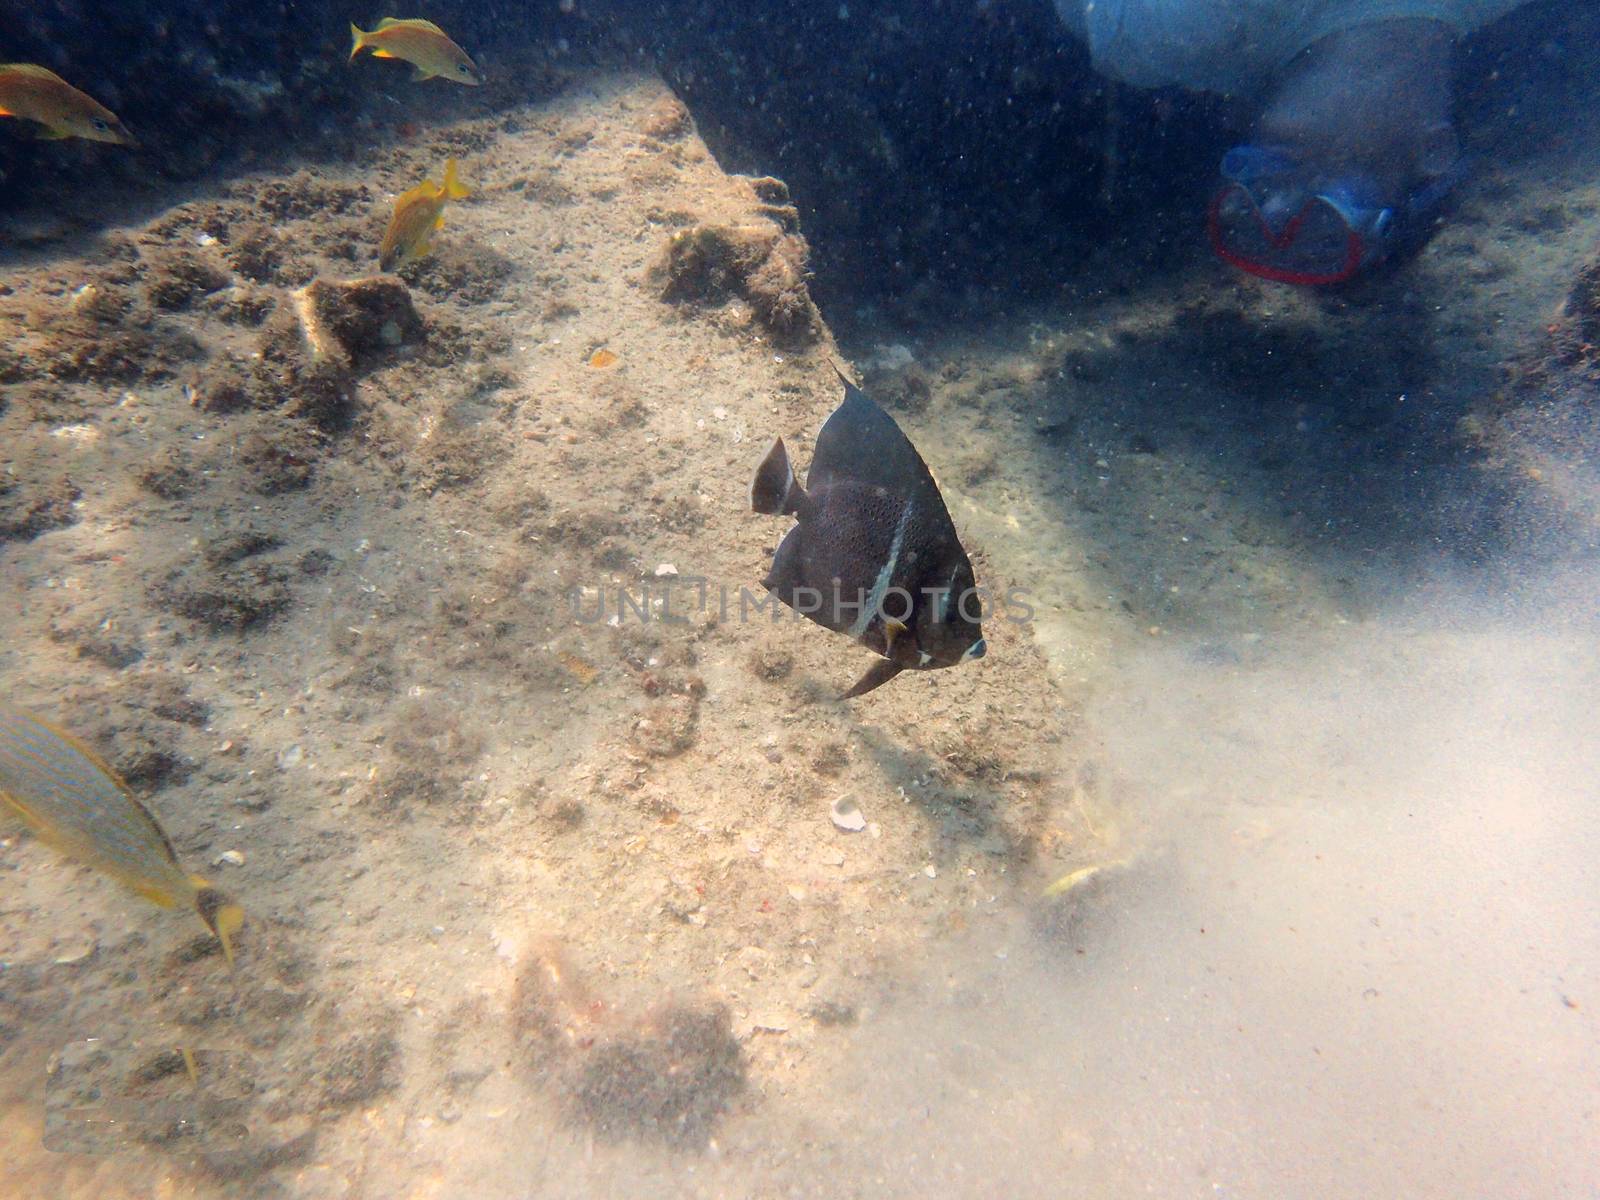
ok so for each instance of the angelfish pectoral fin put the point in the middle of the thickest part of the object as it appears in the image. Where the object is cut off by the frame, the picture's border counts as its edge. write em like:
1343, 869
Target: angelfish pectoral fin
892, 631
880, 674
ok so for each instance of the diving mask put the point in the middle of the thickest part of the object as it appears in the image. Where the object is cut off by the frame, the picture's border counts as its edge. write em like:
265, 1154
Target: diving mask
1277, 219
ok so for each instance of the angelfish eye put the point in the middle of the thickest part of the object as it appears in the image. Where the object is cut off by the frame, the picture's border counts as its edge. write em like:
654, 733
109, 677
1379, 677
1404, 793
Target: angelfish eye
99, 123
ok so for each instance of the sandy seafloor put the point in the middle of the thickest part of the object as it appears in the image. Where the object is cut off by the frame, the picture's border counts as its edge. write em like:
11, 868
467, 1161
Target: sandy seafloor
1277, 676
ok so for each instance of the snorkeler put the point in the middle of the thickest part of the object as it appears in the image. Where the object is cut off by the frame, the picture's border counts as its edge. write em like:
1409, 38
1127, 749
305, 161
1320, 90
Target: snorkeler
1354, 151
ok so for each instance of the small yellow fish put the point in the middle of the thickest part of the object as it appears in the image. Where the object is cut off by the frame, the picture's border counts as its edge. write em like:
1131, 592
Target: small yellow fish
417, 214
32, 93
422, 44
70, 798
1074, 879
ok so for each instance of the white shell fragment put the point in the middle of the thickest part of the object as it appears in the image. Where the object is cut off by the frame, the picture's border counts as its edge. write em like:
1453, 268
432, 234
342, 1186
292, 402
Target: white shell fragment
846, 814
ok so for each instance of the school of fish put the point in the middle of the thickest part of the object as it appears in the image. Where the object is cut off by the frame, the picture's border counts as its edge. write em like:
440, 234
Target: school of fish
873, 554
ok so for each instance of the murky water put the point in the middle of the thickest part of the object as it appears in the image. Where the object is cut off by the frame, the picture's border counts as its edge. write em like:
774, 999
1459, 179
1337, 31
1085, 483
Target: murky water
1253, 860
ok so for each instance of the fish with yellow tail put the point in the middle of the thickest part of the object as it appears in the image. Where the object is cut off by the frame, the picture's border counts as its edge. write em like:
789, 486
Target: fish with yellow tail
417, 214
422, 44
56, 108
72, 800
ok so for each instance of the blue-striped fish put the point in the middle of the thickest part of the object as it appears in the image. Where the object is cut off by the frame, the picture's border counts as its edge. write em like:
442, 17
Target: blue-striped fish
72, 799
874, 554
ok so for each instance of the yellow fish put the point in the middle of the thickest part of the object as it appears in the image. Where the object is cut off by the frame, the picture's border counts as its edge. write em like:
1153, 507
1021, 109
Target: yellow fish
72, 800
60, 110
422, 44
417, 214
1082, 875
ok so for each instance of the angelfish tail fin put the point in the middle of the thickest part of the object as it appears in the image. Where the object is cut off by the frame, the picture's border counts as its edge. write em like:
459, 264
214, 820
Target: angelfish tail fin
453, 187
357, 41
774, 490
885, 670
221, 915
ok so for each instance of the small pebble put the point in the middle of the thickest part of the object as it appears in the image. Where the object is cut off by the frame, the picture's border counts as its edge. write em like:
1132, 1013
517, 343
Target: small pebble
77, 954
931, 871
845, 813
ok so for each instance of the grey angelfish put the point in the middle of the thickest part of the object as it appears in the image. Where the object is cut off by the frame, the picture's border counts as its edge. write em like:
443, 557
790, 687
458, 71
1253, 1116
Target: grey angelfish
873, 554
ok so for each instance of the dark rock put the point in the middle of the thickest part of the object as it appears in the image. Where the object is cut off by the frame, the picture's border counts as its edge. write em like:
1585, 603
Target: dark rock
666, 728
279, 454
667, 1076
178, 276
669, 1080
233, 599
168, 699
467, 274
260, 1152
256, 253
667, 120
306, 378
771, 665
712, 264
29, 509
240, 544
97, 643
317, 563
366, 319
169, 475
360, 1069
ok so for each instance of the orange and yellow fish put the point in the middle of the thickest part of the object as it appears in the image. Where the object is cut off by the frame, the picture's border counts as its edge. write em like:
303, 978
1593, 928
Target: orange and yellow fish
417, 214
33, 93
71, 799
422, 44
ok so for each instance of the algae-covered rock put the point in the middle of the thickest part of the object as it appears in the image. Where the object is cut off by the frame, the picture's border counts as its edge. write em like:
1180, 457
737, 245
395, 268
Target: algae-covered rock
28, 509
313, 347
758, 262
178, 276
666, 1074
361, 320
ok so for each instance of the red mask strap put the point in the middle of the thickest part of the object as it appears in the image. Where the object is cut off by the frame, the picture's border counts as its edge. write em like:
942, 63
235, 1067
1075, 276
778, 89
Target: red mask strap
1281, 241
